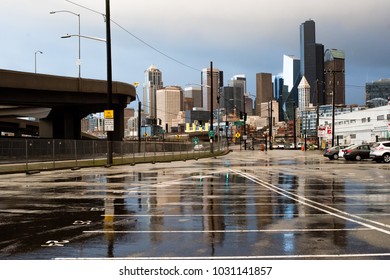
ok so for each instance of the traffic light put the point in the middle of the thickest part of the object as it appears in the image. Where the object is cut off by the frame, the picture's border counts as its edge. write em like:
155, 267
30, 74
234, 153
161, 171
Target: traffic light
243, 116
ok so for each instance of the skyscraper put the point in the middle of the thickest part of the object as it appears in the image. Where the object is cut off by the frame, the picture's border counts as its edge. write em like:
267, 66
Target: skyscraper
264, 91
334, 65
378, 93
169, 102
303, 94
312, 60
153, 82
239, 83
292, 78
291, 68
232, 100
206, 90
196, 94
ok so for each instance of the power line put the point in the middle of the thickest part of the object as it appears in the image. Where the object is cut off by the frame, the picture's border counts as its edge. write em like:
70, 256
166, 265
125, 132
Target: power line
137, 38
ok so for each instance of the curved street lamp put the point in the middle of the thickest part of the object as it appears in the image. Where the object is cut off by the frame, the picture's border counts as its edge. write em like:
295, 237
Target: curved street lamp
83, 36
78, 15
36, 59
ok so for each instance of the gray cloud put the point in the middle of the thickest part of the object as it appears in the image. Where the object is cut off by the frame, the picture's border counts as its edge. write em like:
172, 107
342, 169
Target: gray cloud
245, 36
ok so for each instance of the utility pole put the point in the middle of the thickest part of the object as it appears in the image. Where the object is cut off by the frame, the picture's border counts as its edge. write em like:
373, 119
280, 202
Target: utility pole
295, 127
318, 114
109, 80
245, 136
270, 125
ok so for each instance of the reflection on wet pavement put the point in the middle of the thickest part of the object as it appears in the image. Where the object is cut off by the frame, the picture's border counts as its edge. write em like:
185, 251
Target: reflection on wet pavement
265, 208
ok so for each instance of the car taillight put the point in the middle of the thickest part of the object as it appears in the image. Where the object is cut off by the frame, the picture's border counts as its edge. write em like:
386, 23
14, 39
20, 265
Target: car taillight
347, 151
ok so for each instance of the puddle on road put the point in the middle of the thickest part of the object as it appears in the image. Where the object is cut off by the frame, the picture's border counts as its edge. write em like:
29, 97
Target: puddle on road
131, 214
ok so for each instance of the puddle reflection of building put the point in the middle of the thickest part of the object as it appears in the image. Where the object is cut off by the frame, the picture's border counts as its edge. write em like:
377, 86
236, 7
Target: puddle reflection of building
331, 193
213, 218
114, 204
161, 201
109, 214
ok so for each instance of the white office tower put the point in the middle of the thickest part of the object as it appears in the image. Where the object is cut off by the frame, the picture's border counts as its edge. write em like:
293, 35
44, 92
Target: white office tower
153, 82
303, 94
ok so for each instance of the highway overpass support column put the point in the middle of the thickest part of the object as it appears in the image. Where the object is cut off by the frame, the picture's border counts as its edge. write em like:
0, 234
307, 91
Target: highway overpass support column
66, 124
119, 123
61, 124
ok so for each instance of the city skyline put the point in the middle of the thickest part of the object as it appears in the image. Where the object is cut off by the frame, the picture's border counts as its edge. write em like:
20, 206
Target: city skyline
245, 40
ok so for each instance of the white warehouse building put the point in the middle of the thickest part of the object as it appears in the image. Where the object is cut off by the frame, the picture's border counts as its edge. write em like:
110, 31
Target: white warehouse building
363, 126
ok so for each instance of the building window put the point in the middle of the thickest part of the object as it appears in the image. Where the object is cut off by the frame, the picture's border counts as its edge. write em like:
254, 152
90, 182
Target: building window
353, 136
368, 119
364, 120
380, 118
388, 117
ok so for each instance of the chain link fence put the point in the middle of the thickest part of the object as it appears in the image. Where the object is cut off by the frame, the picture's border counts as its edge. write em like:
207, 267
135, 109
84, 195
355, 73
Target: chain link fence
37, 154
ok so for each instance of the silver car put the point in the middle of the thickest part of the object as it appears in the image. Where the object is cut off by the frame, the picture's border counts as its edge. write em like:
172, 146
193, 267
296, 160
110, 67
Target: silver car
380, 151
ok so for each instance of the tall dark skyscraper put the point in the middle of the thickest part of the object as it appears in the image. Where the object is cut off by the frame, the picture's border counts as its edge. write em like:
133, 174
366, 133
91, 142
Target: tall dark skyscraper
334, 77
312, 61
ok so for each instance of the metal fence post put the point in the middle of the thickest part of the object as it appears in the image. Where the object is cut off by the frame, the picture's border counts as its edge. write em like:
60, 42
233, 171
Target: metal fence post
93, 152
26, 154
54, 154
75, 151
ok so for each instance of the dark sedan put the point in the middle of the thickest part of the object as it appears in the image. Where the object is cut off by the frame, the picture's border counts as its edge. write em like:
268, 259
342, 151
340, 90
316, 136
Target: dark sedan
357, 152
333, 152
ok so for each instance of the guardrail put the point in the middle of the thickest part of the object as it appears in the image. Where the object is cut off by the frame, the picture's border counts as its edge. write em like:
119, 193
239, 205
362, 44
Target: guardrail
30, 154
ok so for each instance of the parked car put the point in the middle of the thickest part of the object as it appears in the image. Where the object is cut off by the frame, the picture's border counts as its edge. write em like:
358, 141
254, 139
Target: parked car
380, 151
341, 151
198, 147
333, 152
357, 152
278, 146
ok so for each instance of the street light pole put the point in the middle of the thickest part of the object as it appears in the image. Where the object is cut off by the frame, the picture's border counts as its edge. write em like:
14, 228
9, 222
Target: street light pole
211, 105
136, 84
109, 80
36, 59
78, 15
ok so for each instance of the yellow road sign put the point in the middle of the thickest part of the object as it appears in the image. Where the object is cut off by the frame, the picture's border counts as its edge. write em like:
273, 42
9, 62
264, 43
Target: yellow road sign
238, 135
108, 114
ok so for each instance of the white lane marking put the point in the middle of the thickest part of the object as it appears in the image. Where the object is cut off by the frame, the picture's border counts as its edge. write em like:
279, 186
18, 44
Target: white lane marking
227, 231
226, 215
311, 203
55, 243
338, 256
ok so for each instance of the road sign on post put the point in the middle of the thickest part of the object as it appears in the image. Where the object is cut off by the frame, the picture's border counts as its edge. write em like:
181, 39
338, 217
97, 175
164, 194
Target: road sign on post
211, 134
109, 120
195, 140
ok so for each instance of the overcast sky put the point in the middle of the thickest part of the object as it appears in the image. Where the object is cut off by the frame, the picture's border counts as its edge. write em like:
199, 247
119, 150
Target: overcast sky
240, 37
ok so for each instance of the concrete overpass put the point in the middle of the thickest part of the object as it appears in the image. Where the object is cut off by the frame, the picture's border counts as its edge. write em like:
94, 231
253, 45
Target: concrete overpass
61, 102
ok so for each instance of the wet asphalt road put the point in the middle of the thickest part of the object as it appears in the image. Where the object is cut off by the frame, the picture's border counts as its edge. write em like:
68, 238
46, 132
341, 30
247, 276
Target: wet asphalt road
248, 204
